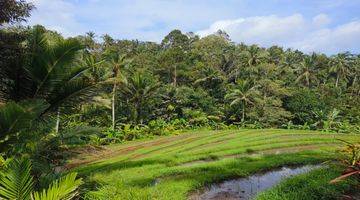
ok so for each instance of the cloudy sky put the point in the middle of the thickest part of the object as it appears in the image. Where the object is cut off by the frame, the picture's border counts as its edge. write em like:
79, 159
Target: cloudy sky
328, 26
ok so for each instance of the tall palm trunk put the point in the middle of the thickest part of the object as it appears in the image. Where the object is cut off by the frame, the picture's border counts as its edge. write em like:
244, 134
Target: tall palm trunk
337, 80
243, 112
113, 106
57, 121
175, 76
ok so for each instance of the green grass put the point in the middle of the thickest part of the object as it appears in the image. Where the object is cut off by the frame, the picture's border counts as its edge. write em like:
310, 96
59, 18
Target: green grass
310, 186
171, 167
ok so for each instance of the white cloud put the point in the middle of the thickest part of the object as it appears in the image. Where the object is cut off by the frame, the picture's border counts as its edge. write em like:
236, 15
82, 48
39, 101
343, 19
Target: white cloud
341, 38
292, 31
321, 20
56, 15
152, 20
131, 19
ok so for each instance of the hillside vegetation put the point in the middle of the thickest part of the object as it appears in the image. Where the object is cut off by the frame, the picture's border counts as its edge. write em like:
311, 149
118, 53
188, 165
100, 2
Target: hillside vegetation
88, 93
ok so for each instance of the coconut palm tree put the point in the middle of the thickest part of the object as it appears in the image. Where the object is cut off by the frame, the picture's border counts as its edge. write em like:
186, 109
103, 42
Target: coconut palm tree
340, 65
306, 70
116, 62
244, 93
255, 55
139, 90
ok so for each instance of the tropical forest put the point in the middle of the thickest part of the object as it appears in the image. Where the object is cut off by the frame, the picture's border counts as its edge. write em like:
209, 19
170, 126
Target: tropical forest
187, 117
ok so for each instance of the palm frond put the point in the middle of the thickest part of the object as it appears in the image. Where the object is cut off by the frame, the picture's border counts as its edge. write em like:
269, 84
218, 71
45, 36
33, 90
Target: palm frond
74, 91
64, 188
16, 181
49, 65
17, 116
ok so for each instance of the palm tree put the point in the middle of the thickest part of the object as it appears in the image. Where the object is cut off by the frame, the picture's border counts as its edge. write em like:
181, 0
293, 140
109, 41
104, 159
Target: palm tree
355, 70
96, 72
116, 62
53, 74
306, 70
212, 80
340, 65
208, 77
139, 91
244, 93
255, 55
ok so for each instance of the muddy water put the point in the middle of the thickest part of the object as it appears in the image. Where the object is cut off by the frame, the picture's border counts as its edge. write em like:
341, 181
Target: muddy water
247, 188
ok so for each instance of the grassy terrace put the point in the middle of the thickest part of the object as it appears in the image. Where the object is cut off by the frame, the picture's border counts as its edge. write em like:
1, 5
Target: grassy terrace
171, 167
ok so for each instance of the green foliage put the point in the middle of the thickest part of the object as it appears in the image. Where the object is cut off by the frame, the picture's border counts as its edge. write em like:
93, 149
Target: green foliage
139, 92
15, 119
54, 75
65, 189
14, 11
117, 90
16, 181
350, 159
305, 103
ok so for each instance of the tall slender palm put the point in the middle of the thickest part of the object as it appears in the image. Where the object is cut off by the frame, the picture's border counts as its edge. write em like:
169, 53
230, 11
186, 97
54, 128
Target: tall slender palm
116, 62
244, 93
355, 71
255, 55
139, 90
306, 70
340, 65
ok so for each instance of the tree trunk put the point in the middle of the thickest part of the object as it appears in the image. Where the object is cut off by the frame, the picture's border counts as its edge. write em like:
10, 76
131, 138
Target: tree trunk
175, 76
57, 126
355, 80
138, 117
113, 107
57, 121
243, 113
337, 81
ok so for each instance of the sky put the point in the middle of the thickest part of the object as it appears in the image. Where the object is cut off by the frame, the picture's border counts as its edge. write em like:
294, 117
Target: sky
328, 26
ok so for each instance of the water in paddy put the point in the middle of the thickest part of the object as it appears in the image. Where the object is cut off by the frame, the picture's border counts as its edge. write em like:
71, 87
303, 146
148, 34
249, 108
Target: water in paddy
247, 188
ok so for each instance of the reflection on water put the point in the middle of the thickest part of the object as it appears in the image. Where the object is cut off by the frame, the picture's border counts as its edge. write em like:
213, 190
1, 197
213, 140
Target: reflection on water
247, 188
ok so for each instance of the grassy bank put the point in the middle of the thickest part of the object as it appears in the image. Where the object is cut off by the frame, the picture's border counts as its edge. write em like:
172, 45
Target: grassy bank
171, 167
310, 186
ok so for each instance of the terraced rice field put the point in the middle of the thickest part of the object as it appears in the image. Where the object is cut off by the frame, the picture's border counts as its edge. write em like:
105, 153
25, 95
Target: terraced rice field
174, 166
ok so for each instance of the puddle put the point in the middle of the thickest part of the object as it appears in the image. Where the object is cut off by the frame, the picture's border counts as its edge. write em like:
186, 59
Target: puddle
247, 188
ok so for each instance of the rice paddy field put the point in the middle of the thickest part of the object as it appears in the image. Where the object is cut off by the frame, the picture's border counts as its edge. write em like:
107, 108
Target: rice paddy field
174, 167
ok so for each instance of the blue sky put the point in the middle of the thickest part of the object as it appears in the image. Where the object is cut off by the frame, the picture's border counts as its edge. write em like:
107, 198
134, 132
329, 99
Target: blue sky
328, 26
